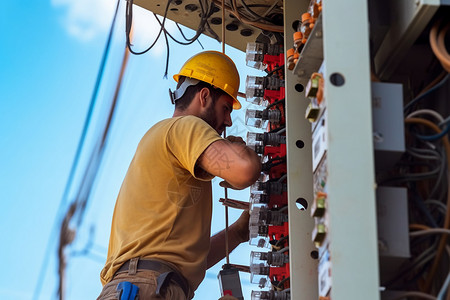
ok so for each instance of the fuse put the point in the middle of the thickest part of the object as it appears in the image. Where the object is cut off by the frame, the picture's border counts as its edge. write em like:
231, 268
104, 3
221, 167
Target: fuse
264, 90
290, 58
264, 56
260, 118
264, 235
255, 55
275, 259
306, 26
259, 199
259, 273
265, 138
258, 235
271, 295
264, 216
268, 188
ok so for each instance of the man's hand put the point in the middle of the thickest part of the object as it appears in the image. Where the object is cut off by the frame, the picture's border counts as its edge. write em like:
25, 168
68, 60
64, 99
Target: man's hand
225, 184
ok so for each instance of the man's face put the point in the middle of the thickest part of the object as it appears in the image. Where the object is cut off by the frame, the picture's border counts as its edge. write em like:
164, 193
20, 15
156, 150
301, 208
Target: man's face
218, 115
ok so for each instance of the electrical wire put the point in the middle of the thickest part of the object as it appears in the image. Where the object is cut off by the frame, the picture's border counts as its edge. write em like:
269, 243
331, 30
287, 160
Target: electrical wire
426, 94
414, 294
432, 256
275, 103
280, 284
129, 21
258, 17
444, 288
443, 239
78, 207
430, 231
431, 112
283, 249
435, 136
437, 203
245, 20
76, 160
438, 44
281, 240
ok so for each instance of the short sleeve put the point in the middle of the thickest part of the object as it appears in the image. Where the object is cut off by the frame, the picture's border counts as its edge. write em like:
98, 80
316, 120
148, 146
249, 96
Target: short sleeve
188, 138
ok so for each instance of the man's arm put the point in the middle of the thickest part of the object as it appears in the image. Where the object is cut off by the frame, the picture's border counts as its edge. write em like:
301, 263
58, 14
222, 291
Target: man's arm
233, 161
237, 233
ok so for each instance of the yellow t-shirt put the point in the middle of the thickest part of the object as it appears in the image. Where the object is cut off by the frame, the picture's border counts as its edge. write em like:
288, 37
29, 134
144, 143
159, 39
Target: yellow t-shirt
164, 209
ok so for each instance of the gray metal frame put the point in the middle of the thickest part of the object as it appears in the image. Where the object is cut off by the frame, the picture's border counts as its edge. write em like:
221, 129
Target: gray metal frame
351, 184
303, 268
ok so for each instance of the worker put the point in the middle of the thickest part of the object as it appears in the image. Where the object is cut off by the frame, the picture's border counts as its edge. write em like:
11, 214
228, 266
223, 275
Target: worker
160, 234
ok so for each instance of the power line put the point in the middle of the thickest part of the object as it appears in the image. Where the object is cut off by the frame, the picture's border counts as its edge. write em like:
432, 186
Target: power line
64, 199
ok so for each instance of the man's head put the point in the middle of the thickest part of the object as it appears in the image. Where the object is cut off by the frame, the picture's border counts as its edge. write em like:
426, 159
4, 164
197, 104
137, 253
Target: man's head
208, 84
205, 101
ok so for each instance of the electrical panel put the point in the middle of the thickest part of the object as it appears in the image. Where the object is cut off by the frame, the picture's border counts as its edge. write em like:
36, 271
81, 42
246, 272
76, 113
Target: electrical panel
354, 158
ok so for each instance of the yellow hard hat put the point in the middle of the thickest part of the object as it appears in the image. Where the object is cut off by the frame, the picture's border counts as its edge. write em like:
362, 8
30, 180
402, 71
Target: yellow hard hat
215, 68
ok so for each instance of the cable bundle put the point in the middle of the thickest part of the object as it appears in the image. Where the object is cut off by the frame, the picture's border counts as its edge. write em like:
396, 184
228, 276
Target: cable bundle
437, 42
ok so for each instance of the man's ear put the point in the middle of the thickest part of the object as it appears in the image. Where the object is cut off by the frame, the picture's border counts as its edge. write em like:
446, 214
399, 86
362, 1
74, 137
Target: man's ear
204, 93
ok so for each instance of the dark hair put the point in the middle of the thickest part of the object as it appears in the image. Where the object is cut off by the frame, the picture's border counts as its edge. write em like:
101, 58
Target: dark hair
182, 103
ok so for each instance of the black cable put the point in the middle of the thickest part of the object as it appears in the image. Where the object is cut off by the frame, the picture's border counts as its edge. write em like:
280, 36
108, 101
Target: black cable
424, 95
418, 201
129, 20
257, 17
184, 36
168, 54
281, 240
189, 41
271, 163
275, 130
275, 103
280, 284
274, 70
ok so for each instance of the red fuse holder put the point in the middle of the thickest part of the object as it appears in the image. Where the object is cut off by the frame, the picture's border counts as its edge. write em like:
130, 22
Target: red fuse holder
278, 232
274, 95
279, 276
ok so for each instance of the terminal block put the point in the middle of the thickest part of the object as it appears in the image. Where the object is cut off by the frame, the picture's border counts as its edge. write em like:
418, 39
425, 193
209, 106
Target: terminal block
271, 201
261, 118
264, 216
271, 295
268, 236
268, 224
264, 56
274, 259
265, 138
264, 90
268, 188
270, 151
262, 274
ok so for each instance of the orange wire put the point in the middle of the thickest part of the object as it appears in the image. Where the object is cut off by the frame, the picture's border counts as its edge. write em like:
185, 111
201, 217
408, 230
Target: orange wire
438, 46
418, 227
443, 240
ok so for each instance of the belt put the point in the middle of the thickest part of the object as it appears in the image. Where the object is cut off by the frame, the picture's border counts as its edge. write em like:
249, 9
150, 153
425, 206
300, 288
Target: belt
168, 272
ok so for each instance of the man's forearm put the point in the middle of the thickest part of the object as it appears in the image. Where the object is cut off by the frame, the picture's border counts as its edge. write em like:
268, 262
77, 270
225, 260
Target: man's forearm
217, 248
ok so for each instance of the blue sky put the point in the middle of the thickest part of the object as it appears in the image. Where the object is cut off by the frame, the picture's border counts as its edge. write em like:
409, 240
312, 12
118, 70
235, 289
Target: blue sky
50, 55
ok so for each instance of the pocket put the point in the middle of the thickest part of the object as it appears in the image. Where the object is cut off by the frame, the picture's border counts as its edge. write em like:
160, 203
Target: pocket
108, 292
